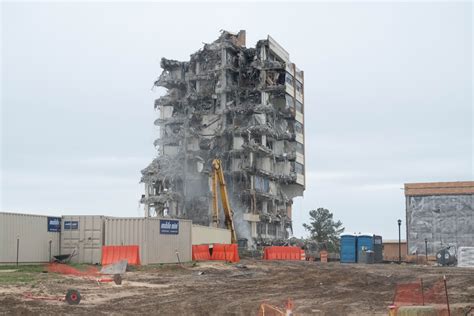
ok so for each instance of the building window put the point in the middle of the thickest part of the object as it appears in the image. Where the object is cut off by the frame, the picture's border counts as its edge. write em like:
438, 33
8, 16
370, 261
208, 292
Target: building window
289, 79
298, 128
290, 102
299, 106
269, 144
262, 184
299, 87
300, 148
271, 229
299, 168
261, 228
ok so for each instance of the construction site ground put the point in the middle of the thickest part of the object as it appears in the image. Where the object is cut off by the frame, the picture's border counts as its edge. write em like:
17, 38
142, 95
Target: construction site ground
218, 288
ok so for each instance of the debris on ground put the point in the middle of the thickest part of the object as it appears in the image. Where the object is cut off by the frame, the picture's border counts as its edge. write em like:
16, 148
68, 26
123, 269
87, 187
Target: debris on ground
315, 289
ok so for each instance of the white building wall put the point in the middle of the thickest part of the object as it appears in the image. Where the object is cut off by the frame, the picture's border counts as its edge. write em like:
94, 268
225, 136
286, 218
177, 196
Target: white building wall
210, 235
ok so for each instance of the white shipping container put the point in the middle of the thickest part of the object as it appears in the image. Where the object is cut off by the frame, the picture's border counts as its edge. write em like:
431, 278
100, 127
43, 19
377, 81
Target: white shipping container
84, 236
161, 240
30, 232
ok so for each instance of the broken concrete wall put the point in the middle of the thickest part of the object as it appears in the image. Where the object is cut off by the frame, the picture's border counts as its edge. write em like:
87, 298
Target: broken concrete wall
442, 219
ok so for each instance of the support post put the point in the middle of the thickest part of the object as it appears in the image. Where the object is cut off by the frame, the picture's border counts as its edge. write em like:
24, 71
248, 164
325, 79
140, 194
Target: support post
426, 250
50, 242
422, 292
446, 291
399, 242
17, 248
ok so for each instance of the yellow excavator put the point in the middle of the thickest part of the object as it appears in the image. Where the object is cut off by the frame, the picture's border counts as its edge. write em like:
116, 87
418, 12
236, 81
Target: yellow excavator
218, 177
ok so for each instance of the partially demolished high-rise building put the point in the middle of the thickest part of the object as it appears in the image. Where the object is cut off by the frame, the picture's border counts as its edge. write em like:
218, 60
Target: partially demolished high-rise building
244, 106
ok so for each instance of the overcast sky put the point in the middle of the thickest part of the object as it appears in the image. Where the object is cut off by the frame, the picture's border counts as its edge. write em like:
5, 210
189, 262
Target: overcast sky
388, 99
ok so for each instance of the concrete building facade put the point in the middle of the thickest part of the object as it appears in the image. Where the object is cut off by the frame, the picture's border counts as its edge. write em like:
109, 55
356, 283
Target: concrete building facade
441, 212
244, 106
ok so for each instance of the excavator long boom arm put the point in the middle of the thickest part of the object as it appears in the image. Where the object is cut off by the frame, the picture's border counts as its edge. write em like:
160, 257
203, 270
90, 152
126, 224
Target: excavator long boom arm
218, 176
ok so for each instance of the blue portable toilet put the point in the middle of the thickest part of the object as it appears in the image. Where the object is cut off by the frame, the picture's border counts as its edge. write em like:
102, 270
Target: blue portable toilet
364, 242
348, 248
378, 249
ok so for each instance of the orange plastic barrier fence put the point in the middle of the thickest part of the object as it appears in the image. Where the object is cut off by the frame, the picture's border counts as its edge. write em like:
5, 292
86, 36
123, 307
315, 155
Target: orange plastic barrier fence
283, 253
227, 252
113, 254
201, 252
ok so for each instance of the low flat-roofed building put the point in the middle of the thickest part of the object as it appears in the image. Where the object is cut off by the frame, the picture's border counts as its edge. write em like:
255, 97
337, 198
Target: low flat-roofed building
390, 250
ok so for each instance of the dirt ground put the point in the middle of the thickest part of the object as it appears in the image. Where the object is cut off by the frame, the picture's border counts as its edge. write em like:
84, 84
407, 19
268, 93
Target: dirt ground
217, 288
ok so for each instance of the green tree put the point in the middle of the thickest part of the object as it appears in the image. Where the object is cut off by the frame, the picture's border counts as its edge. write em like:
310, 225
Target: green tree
324, 230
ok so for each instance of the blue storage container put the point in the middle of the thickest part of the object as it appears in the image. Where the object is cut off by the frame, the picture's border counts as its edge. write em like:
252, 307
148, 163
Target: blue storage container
348, 248
364, 242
